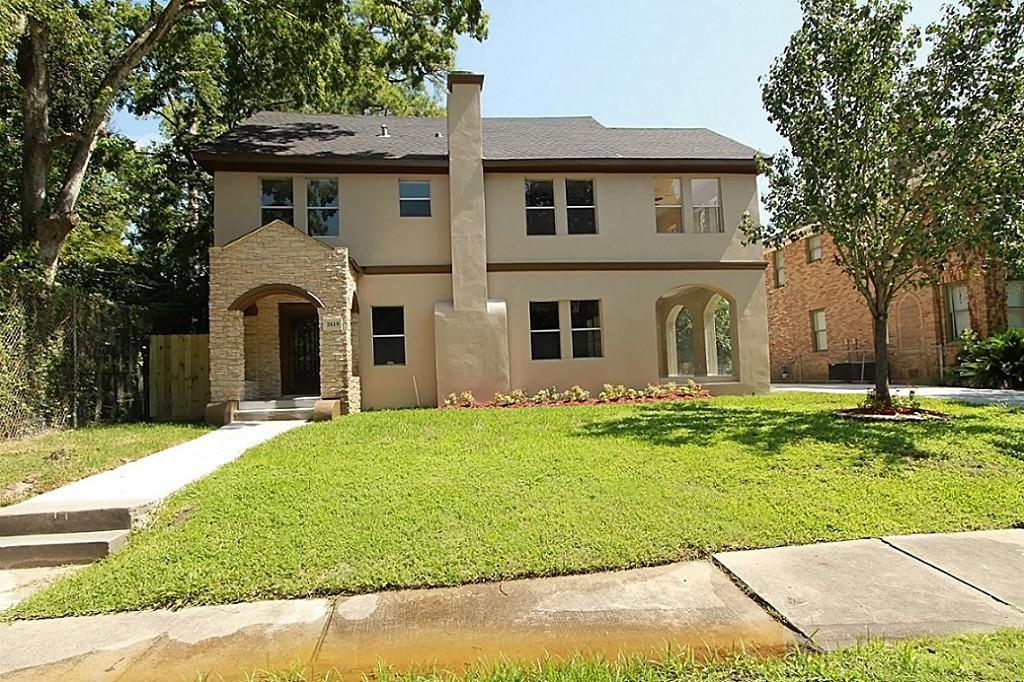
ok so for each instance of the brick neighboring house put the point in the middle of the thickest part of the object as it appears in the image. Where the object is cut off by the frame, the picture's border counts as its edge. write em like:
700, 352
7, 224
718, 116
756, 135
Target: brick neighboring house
819, 327
373, 262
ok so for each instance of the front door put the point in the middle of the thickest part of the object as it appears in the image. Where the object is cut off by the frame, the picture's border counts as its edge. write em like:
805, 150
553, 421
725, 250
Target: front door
300, 349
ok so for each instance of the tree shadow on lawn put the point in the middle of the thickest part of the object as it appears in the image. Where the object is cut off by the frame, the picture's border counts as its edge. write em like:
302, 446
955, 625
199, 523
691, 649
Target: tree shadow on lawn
768, 431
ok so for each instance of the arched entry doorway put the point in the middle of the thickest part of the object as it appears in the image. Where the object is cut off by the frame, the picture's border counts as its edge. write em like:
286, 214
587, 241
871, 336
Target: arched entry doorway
281, 341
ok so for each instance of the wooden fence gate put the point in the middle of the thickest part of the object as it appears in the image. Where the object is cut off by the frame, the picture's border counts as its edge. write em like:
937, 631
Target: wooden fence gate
179, 376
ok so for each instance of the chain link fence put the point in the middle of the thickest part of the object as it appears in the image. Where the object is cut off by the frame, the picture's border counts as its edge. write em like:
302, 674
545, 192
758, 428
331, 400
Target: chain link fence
68, 359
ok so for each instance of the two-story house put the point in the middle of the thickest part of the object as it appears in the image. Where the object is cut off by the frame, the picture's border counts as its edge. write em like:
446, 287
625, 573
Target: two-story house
386, 261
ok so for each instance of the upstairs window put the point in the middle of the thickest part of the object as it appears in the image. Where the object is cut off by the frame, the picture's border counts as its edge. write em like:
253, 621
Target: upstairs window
668, 205
276, 202
322, 216
1015, 303
707, 205
414, 198
780, 268
585, 317
819, 330
814, 248
545, 331
580, 207
388, 332
540, 207
957, 302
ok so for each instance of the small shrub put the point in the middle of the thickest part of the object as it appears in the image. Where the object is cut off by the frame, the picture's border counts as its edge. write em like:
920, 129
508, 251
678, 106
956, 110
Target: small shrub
900, 402
516, 397
652, 391
464, 399
544, 395
611, 392
993, 362
577, 394
692, 389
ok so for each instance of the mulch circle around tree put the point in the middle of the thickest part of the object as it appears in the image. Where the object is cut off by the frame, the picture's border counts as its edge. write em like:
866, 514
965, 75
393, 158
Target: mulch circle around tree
894, 414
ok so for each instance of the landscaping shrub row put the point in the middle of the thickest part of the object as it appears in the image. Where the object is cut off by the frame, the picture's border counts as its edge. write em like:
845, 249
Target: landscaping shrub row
575, 395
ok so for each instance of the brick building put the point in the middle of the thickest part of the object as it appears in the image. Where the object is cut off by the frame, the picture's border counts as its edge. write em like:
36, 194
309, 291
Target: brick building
819, 327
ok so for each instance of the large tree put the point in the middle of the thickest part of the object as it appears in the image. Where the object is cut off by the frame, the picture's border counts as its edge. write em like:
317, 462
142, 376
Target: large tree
900, 160
75, 61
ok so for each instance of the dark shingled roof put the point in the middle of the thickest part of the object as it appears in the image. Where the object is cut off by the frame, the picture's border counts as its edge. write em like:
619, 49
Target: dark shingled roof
329, 136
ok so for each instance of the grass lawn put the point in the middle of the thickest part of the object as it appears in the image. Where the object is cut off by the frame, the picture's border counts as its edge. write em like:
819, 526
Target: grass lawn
438, 497
30, 466
998, 657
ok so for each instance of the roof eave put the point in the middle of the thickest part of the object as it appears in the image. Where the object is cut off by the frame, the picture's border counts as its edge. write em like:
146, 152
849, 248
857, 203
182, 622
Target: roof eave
256, 163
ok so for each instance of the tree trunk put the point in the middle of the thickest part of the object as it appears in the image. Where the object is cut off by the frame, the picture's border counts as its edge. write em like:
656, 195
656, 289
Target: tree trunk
51, 231
882, 359
34, 78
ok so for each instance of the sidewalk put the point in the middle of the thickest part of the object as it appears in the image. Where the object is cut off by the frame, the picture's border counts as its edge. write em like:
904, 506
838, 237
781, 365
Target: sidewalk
976, 396
148, 480
828, 595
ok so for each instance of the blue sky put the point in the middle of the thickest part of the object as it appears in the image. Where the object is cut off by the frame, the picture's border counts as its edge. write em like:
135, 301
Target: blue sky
672, 63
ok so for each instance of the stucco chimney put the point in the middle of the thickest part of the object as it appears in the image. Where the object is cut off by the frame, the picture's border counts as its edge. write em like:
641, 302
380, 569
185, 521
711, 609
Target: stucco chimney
466, 191
470, 332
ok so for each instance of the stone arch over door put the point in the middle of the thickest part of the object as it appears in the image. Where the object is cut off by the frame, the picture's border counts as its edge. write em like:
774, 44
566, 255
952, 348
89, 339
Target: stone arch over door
279, 264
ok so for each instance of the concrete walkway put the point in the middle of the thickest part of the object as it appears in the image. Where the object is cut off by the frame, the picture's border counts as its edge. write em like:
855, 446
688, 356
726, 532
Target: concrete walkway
977, 396
146, 481
828, 595
91, 518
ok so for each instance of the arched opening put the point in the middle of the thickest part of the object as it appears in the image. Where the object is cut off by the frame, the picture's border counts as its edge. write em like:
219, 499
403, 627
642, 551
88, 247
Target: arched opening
699, 333
280, 341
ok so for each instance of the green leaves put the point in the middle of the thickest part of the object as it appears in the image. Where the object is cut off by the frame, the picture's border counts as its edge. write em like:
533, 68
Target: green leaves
906, 162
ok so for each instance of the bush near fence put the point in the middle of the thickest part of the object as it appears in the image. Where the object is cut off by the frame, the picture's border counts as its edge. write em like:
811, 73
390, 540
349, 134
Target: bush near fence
67, 358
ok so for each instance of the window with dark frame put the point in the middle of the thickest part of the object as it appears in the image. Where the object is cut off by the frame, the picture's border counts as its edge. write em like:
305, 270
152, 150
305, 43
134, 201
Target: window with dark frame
323, 219
388, 335
581, 210
585, 321
414, 198
819, 330
276, 200
668, 205
545, 331
540, 207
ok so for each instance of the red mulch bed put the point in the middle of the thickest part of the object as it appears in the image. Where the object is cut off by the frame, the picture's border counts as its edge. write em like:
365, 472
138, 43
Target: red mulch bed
591, 401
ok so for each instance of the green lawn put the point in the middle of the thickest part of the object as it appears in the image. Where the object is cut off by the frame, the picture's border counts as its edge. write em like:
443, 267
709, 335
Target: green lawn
998, 657
438, 497
30, 466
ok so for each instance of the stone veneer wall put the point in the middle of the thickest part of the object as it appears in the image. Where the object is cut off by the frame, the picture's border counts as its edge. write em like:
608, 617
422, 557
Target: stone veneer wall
279, 254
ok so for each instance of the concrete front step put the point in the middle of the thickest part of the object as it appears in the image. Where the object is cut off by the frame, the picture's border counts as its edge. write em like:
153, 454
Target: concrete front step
15, 522
273, 414
301, 402
57, 549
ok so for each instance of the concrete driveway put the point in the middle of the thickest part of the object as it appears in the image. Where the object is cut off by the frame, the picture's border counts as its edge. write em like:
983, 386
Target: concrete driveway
977, 396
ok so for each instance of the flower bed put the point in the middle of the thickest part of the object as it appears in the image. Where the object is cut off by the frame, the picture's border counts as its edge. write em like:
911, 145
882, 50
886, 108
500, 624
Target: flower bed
575, 395
900, 408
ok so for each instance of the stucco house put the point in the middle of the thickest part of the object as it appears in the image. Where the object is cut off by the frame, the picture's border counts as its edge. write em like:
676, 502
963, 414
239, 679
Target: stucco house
373, 262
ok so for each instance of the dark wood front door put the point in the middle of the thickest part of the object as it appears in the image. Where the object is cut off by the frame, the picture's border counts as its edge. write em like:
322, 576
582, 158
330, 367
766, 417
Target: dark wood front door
300, 349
